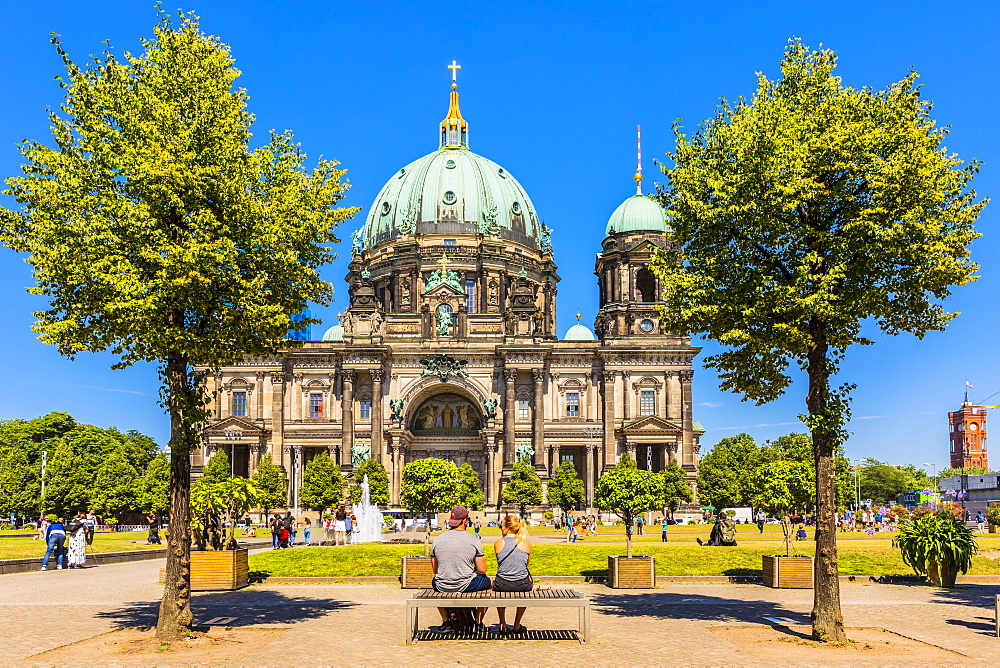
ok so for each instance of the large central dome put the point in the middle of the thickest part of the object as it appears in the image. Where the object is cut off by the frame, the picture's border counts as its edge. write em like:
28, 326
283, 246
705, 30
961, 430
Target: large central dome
452, 191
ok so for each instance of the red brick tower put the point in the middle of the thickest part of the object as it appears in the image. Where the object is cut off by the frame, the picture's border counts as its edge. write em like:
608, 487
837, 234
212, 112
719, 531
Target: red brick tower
968, 437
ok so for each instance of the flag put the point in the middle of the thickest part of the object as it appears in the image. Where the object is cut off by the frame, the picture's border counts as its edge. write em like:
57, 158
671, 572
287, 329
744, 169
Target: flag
968, 384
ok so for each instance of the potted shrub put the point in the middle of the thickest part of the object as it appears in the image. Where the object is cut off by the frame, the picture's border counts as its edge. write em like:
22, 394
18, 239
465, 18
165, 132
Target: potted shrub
993, 517
628, 492
428, 486
216, 509
784, 485
937, 544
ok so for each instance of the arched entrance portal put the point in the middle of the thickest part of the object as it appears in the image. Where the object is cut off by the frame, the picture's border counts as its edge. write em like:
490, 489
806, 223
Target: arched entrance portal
447, 425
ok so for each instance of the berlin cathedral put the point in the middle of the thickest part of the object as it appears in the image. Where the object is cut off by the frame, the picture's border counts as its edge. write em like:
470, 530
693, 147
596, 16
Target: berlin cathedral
449, 346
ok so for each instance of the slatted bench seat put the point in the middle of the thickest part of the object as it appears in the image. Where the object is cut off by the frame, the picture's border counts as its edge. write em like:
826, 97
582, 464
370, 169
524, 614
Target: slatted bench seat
537, 598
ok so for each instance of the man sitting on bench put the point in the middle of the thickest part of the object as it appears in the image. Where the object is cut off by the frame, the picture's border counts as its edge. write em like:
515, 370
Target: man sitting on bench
459, 565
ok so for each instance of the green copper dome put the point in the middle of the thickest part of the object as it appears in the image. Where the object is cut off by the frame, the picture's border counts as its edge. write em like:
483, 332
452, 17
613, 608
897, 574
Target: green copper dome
579, 333
637, 214
335, 333
452, 191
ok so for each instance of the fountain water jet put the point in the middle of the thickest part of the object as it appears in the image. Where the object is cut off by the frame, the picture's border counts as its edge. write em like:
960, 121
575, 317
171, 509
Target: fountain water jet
369, 518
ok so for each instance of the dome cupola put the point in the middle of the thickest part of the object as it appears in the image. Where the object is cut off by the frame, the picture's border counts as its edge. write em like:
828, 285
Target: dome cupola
638, 213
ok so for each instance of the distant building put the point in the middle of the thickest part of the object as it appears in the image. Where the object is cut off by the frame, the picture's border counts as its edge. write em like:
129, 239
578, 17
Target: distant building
968, 437
983, 490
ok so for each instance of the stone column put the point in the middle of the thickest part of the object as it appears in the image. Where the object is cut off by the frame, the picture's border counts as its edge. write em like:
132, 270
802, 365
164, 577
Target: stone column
396, 472
555, 460
590, 474
277, 417
593, 412
673, 395
608, 397
630, 450
509, 375
378, 450
259, 401
295, 398
538, 419
296, 477
669, 453
347, 419
626, 395
687, 452
491, 474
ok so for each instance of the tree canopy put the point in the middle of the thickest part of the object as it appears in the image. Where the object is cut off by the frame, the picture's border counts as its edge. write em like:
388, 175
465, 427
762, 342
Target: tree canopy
322, 483
429, 486
157, 233
378, 482
470, 493
524, 488
627, 491
676, 489
271, 485
565, 489
799, 216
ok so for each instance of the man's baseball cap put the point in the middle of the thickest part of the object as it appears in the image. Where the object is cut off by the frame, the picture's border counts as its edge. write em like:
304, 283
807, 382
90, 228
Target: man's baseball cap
458, 513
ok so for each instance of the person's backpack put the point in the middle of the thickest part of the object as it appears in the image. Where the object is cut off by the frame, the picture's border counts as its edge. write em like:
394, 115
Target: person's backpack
728, 532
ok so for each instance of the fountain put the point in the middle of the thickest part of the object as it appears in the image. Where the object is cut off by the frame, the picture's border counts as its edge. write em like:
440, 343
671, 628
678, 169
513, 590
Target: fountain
369, 522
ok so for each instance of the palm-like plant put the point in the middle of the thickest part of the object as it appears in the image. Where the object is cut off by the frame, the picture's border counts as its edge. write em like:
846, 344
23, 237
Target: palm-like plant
937, 545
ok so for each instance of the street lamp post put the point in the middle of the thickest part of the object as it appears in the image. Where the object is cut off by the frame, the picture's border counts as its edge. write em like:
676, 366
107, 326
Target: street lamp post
857, 483
45, 459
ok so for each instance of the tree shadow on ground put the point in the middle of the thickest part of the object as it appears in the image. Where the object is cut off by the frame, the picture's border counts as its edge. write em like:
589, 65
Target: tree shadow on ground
250, 607
983, 628
694, 607
977, 595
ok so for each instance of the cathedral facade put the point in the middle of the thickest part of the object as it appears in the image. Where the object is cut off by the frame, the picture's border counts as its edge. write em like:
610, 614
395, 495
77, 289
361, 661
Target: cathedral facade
449, 346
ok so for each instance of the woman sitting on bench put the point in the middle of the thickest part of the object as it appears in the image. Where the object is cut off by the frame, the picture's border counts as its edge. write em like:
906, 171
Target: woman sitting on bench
513, 554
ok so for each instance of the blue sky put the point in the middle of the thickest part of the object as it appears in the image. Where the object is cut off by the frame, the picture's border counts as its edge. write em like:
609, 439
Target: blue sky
553, 93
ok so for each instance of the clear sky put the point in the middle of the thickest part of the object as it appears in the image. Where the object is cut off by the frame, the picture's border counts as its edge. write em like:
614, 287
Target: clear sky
553, 93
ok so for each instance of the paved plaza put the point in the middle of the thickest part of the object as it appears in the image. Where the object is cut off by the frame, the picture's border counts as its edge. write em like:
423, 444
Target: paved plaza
363, 624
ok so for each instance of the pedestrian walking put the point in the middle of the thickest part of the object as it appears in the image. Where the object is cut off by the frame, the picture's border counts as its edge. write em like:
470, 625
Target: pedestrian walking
980, 522
761, 519
55, 538
663, 530
306, 530
638, 525
340, 526
77, 530
275, 532
477, 527
154, 529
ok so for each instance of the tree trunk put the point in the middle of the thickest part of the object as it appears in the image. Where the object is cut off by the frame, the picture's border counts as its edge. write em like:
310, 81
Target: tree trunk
786, 528
827, 619
175, 616
628, 536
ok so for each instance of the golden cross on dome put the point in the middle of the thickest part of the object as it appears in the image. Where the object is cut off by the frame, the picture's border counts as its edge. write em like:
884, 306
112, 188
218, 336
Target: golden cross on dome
454, 67
444, 262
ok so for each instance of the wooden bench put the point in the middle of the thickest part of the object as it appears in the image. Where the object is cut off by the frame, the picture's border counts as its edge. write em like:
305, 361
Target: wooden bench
538, 598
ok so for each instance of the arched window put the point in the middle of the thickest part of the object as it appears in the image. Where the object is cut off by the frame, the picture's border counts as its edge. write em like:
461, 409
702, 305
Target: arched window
645, 285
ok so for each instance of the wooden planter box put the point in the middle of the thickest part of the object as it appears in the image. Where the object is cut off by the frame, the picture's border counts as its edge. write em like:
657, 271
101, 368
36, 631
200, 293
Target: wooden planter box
788, 572
225, 569
631, 572
993, 528
417, 573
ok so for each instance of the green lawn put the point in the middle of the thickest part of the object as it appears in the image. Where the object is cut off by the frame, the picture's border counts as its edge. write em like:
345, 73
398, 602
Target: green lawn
23, 546
871, 557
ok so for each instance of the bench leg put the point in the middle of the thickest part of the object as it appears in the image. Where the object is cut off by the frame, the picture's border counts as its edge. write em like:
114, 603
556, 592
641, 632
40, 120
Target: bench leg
585, 614
412, 617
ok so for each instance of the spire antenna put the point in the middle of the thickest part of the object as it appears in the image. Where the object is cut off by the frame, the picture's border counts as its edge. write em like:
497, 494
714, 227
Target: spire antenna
638, 161
454, 129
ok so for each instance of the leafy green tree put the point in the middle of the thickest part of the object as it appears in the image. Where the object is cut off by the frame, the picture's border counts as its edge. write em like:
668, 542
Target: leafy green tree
565, 489
883, 483
781, 487
676, 489
322, 483
470, 494
67, 481
629, 492
217, 469
972, 470
429, 486
378, 482
115, 487
157, 233
272, 484
724, 473
799, 216
20, 486
524, 488
154, 488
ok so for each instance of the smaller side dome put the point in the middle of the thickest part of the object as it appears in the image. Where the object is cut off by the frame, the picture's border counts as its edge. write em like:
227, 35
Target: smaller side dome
579, 332
638, 213
335, 333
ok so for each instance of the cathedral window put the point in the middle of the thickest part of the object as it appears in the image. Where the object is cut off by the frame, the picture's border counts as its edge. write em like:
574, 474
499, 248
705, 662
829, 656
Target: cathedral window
523, 409
448, 242
572, 404
645, 285
470, 295
316, 405
240, 404
365, 410
647, 402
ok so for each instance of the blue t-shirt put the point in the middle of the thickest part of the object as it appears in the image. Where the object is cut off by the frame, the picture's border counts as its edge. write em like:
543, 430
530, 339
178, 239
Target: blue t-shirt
55, 529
